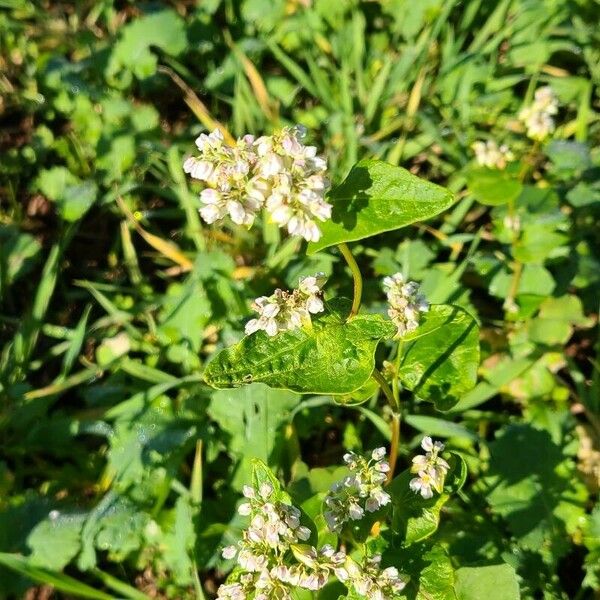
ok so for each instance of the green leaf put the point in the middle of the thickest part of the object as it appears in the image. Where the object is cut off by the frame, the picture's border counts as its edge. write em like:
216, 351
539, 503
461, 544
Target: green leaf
17, 253
55, 541
569, 156
495, 581
441, 356
533, 485
179, 542
72, 196
164, 29
262, 474
334, 356
436, 580
185, 313
493, 186
414, 518
255, 417
556, 319
378, 197
62, 583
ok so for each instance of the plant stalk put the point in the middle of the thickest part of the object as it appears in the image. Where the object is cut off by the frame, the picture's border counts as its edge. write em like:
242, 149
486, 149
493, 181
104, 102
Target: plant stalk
395, 424
356, 275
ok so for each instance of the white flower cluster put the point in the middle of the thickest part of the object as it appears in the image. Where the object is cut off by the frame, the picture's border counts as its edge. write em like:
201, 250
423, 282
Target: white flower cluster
489, 154
405, 303
538, 116
271, 555
273, 561
430, 468
362, 491
284, 311
276, 172
372, 582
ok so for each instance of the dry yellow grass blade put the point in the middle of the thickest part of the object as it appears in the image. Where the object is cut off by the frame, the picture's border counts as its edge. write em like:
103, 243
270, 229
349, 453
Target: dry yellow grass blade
196, 105
165, 247
268, 106
415, 95
244, 273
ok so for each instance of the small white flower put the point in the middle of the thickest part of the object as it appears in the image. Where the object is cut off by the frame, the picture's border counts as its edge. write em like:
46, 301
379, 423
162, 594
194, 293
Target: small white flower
232, 591
229, 552
537, 117
358, 493
276, 171
427, 444
489, 154
285, 311
430, 468
378, 453
422, 484
265, 490
248, 491
405, 303
244, 509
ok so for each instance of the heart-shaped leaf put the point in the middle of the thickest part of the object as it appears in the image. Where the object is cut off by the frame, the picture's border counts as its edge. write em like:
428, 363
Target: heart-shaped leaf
415, 518
493, 186
378, 197
441, 356
334, 356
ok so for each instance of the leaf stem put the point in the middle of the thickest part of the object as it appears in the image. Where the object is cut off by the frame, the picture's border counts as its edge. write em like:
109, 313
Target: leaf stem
356, 275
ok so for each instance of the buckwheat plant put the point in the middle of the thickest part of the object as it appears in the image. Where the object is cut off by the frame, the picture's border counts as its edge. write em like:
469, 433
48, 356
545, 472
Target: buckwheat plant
538, 117
430, 468
362, 491
312, 341
489, 154
284, 311
278, 173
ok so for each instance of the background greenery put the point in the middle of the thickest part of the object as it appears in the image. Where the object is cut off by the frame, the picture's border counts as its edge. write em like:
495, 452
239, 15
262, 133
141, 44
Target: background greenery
119, 469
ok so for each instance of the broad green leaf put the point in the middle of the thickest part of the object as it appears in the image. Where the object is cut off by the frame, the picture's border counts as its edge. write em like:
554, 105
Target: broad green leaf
439, 427
164, 29
556, 319
55, 541
493, 186
535, 280
255, 417
436, 580
334, 356
537, 242
441, 356
539, 496
495, 581
378, 197
72, 196
414, 518
569, 156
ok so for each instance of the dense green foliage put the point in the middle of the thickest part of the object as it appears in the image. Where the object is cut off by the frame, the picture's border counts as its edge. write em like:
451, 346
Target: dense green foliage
121, 468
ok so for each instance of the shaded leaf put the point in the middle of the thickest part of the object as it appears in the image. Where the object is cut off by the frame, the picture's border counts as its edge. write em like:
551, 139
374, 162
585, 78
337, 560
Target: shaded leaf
441, 356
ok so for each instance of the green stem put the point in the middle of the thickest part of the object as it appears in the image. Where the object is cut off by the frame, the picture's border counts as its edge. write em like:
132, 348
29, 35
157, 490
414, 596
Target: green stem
517, 266
356, 275
395, 424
